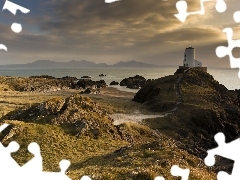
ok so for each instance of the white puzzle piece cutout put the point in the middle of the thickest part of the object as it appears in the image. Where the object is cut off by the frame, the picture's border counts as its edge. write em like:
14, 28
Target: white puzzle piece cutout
222, 51
33, 169
12, 7
227, 150
182, 9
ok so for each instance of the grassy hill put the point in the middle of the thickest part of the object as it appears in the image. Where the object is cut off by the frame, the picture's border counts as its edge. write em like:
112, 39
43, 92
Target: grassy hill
204, 109
78, 129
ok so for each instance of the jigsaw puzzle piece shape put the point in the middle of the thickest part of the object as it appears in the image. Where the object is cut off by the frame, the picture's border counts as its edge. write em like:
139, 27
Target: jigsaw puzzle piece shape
12, 7
64, 165
16, 27
54, 175
221, 52
228, 150
4, 126
8, 164
182, 11
111, 1
3, 47
221, 6
236, 16
85, 178
35, 164
224, 176
177, 171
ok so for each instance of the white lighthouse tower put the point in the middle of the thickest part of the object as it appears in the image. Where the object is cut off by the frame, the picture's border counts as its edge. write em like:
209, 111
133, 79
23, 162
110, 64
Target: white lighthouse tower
189, 58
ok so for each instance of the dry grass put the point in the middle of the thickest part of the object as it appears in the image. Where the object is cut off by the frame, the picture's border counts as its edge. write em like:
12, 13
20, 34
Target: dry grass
99, 158
10, 100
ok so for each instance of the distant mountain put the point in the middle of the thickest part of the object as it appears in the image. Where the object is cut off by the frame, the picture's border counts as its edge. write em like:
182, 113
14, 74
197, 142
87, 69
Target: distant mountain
134, 64
74, 63
52, 64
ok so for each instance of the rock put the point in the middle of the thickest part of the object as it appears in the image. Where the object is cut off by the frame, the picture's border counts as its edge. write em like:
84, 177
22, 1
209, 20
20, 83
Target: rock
69, 78
43, 76
88, 83
101, 75
207, 108
85, 83
83, 116
147, 93
88, 91
42, 83
114, 83
100, 84
86, 77
133, 86
133, 82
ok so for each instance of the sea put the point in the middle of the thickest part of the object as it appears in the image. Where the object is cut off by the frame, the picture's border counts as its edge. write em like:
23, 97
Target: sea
228, 77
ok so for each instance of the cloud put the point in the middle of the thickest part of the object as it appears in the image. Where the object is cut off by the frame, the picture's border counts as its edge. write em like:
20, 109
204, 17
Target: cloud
143, 30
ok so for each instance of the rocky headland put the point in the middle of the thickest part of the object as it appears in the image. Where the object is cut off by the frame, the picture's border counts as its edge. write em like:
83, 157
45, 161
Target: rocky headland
134, 82
80, 127
198, 107
45, 83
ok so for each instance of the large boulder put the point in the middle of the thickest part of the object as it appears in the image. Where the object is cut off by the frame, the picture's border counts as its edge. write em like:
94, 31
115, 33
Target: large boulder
114, 83
86, 83
43, 83
133, 82
79, 114
100, 84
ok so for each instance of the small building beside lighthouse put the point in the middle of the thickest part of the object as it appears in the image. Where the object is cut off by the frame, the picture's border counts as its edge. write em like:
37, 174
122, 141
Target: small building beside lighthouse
189, 58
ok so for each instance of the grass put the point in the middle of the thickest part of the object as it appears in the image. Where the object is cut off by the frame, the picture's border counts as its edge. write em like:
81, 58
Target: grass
103, 158
150, 154
56, 145
120, 105
10, 100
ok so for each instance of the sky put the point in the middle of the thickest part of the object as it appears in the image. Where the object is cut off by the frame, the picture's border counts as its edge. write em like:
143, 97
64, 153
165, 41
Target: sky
140, 30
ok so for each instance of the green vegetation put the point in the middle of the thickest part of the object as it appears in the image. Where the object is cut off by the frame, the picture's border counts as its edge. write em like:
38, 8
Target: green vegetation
159, 95
78, 128
207, 108
105, 158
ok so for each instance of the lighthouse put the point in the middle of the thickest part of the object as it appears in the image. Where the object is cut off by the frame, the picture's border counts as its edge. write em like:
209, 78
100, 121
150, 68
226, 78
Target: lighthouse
189, 58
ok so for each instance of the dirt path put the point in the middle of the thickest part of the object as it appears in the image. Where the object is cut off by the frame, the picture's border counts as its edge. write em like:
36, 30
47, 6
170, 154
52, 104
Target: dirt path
136, 117
111, 91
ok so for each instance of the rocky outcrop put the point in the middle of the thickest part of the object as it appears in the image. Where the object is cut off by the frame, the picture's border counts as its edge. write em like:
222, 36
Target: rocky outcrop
43, 76
36, 83
85, 83
90, 91
83, 116
206, 108
146, 93
114, 83
133, 82
88, 83
159, 94
86, 77
45, 83
79, 116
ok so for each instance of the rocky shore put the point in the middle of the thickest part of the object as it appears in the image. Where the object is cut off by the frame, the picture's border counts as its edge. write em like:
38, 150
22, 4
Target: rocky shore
46, 83
186, 110
200, 107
